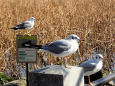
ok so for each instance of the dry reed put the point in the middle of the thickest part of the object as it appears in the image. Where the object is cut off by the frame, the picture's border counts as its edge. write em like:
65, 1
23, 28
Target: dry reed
93, 21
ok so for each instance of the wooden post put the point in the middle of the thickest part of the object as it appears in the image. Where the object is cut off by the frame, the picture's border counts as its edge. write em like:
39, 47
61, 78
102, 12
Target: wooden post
27, 79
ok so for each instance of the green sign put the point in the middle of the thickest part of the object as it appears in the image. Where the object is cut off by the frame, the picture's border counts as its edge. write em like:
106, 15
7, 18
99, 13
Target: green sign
26, 54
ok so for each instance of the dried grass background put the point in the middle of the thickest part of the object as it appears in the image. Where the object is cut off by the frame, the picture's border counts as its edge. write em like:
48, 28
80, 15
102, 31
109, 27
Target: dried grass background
92, 20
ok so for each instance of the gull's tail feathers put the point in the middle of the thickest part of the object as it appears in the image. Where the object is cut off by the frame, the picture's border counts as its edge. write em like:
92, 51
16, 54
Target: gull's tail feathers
14, 28
28, 44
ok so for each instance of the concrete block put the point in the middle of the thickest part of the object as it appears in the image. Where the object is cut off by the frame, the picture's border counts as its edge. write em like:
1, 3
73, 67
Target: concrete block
57, 75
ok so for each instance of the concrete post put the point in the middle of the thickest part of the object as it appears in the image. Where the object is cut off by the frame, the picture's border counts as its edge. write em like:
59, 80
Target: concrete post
57, 76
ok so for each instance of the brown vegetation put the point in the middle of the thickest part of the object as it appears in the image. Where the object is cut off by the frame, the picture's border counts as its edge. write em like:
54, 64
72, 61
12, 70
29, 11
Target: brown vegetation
92, 20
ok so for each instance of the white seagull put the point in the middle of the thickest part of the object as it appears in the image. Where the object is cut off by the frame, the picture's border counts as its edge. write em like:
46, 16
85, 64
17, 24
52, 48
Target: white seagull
25, 24
92, 66
58, 48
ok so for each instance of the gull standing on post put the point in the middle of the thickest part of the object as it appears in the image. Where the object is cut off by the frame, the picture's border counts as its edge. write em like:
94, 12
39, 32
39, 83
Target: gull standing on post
92, 66
58, 48
25, 24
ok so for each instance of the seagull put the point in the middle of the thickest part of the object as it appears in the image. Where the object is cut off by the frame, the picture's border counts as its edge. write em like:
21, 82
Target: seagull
25, 24
92, 66
58, 48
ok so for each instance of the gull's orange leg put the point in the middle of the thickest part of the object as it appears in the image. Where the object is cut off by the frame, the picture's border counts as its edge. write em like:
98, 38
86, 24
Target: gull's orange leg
90, 81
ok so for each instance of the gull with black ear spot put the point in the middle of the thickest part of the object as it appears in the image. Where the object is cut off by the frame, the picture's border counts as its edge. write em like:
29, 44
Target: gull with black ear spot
92, 66
59, 48
25, 24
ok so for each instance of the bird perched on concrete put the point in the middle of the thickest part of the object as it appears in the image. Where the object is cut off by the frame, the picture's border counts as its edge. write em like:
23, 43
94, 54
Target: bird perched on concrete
58, 48
92, 66
25, 24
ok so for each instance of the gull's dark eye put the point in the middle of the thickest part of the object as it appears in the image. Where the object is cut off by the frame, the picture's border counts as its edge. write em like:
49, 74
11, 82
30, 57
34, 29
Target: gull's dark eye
99, 57
72, 37
75, 38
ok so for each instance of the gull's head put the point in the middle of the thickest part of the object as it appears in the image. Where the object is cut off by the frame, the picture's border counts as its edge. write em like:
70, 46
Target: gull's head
73, 37
98, 57
32, 19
